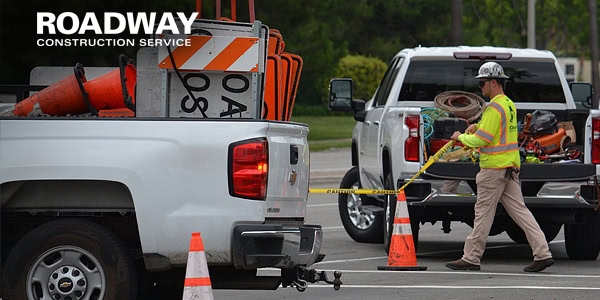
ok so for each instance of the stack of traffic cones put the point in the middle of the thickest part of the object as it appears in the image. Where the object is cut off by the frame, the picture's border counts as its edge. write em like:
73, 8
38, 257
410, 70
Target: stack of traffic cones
110, 95
402, 255
197, 280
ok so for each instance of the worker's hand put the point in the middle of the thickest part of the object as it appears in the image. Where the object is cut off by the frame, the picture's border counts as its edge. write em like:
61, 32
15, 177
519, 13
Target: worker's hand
455, 135
471, 129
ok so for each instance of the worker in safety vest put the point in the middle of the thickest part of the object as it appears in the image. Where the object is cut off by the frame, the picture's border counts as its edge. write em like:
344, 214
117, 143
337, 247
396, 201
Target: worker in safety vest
496, 136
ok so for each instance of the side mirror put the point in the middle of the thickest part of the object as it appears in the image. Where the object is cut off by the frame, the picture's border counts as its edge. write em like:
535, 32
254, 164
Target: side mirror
582, 94
358, 106
340, 94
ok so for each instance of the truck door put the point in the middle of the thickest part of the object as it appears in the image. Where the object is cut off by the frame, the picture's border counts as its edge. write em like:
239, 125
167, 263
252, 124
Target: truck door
369, 157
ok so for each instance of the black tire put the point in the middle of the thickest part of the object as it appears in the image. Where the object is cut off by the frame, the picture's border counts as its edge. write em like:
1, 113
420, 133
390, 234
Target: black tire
583, 241
550, 230
367, 234
389, 212
88, 244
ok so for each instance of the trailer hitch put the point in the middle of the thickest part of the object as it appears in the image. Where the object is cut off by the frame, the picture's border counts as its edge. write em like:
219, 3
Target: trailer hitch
300, 277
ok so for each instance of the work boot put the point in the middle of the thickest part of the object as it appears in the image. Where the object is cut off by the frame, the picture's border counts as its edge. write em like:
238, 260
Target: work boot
462, 265
539, 265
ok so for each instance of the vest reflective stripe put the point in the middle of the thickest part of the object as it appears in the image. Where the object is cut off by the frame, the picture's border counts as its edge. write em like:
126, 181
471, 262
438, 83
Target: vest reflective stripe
503, 150
484, 135
499, 148
500, 110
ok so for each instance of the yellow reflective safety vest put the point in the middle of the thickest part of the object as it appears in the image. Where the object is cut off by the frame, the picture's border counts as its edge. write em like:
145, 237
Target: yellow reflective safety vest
496, 135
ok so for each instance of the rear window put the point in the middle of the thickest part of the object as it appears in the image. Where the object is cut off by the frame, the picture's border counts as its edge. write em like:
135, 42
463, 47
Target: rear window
528, 81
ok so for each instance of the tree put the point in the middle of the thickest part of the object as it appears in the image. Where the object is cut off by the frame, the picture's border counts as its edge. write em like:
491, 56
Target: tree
594, 46
457, 14
366, 73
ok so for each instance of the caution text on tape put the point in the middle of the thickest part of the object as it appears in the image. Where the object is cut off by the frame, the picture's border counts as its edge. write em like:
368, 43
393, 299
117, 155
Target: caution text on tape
353, 191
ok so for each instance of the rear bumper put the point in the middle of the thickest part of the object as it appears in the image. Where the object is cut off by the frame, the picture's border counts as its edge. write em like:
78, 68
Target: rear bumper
431, 192
277, 246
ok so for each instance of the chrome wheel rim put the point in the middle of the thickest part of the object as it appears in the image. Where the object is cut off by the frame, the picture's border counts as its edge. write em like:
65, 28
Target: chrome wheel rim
360, 219
66, 272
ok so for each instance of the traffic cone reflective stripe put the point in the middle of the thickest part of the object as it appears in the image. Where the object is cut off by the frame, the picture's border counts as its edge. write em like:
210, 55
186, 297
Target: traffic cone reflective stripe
402, 246
197, 283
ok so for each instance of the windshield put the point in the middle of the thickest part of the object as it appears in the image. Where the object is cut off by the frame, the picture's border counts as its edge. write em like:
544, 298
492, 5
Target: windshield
528, 82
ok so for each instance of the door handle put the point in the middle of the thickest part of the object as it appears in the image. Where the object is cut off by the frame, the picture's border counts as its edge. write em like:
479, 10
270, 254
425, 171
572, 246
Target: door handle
367, 123
293, 154
376, 123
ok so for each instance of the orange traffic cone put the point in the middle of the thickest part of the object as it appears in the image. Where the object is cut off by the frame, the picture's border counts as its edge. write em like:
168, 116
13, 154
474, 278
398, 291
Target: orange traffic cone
62, 98
402, 255
115, 89
197, 280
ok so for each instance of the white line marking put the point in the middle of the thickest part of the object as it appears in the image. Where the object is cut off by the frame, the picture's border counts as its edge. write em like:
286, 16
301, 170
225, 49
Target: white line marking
321, 205
350, 260
426, 253
333, 228
515, 287
469, 273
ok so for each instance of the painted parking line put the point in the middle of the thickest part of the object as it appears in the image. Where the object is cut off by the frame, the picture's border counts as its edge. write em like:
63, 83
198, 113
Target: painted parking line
321, 205
470, 273
333, 228
426, 253
513, 287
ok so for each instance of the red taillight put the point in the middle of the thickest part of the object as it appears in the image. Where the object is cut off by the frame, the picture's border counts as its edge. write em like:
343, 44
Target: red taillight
596, 141
248, 172
411, 145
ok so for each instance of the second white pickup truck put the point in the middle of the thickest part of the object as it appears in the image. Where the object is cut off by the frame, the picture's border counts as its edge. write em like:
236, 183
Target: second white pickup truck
389, 147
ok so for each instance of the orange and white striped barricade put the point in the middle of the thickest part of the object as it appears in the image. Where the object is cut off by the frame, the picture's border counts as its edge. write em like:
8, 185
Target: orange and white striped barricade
402, 255
197, 284
217, 73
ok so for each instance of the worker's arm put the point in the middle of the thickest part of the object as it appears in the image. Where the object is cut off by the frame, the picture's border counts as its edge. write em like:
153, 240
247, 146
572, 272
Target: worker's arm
487, 129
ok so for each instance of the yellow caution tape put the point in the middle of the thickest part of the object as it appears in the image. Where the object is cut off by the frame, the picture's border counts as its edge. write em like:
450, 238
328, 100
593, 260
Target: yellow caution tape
353, 191
429, 162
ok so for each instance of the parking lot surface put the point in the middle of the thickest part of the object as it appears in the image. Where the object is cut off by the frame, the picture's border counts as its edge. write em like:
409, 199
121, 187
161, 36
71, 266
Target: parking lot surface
501, 275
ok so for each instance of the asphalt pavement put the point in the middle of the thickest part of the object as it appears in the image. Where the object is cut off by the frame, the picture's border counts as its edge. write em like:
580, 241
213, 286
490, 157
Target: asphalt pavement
501, 275
329, 166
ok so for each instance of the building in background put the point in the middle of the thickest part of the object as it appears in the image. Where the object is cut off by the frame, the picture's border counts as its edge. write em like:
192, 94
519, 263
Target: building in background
576, 69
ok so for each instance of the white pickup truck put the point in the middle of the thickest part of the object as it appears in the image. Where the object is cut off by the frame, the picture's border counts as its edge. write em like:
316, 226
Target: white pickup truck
388, 147
90, 206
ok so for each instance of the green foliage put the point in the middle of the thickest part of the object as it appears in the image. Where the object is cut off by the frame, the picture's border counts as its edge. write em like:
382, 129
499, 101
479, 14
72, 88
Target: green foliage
311, 110
321, 31
327, 127
366, 73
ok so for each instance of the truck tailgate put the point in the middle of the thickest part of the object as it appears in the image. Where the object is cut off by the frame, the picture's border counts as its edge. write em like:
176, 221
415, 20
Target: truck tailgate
287, 187
529, 172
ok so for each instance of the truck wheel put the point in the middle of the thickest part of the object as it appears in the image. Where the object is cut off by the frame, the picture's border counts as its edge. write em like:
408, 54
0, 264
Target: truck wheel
389, 213
361, 226
583, 241
69, 259
550, 230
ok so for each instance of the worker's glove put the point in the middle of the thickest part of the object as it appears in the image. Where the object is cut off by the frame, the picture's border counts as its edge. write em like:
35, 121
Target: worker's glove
471, 129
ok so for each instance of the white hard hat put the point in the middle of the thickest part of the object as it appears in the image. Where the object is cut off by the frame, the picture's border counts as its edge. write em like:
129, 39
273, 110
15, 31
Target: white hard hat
491, 70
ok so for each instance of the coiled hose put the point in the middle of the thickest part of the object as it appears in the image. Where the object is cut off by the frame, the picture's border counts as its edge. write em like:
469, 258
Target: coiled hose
463, 104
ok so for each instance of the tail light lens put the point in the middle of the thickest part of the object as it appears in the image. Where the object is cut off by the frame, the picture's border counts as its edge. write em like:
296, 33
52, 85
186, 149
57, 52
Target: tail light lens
248, 169
411, 145
596, 141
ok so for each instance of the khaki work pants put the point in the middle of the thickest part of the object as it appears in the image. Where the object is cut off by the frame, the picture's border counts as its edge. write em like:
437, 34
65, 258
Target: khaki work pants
492, 186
